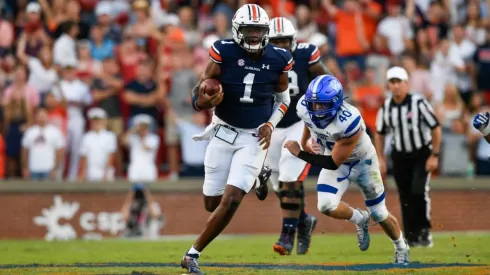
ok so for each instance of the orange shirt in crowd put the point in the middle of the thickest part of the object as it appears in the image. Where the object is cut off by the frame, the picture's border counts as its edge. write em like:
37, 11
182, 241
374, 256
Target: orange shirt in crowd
57, 117
370, 24
346, 36
370, 98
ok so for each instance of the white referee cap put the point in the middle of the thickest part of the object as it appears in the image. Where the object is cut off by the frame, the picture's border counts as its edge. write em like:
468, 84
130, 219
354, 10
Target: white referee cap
396, 72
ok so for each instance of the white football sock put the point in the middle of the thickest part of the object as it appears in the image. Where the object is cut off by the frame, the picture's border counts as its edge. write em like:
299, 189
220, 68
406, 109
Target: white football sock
400, 243
357, 217
193, 251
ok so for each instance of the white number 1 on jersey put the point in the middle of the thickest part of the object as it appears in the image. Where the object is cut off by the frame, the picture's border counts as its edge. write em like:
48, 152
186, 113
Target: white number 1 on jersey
248, 81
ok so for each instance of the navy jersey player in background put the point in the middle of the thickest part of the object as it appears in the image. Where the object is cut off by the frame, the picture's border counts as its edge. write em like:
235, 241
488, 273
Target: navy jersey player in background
251, 71
288, 172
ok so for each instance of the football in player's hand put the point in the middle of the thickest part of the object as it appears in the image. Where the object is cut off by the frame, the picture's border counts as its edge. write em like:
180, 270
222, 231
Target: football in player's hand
210, 87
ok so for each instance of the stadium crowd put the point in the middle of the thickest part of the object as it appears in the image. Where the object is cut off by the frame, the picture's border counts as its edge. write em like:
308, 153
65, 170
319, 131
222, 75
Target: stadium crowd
133, 58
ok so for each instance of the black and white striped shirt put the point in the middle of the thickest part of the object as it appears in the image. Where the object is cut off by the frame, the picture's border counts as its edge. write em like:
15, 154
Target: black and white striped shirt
411, 123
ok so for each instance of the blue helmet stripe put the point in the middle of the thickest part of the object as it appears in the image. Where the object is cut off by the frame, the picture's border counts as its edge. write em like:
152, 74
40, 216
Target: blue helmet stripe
315, 86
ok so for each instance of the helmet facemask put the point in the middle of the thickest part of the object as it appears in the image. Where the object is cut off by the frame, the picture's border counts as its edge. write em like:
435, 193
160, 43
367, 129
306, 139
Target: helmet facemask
253, 37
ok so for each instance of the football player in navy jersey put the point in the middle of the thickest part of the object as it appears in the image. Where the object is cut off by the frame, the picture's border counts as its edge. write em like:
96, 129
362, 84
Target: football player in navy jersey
288, 172
250, 71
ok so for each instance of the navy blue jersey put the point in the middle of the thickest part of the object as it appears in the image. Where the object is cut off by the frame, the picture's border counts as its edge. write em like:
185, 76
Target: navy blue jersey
305, 55
248, 84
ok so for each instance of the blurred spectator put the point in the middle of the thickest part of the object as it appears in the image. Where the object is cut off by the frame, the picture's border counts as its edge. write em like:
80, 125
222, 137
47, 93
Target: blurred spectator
351, 39
42, 149
105, 90
7, 70
54, 12
128, 57
222, 27
188, 23
305, 26
424, 50
100, 47
98, 149
183, 79
192, 152
396, 29
42, 73
87, 66
435, 22
450, 110
445, 66
419, 75
141, 94
34, 35
143, 26
72, 12
64, 49
143, 147
57, 113
19, 101
379, 58
369, 97
77, 96
466, 50
7, 37
475, 24
105, 13
481, 58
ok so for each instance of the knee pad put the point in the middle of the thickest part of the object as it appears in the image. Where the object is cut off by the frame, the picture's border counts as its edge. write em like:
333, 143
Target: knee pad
288, 191
327, 202
379, 212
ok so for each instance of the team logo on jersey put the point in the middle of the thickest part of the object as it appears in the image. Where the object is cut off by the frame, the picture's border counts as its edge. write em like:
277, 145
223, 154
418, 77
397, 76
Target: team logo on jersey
241, 62
265, 66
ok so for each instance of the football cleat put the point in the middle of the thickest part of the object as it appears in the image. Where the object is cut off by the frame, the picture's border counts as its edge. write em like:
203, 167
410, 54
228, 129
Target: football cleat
402, 256
305, 230
263, 190
284, 246
190, 263
363, 238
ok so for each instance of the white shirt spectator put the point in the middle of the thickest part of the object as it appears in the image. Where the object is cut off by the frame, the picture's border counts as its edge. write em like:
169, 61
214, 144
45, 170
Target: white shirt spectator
192, 152
42, 144
97, 147
64, 50
466, 49
443, 68
396, 30
74, 91
142, 167
40, 77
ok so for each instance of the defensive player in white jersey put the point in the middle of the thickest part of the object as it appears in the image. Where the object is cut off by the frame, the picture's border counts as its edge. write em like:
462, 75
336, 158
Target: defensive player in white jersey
481, 123
288, 172
349, 157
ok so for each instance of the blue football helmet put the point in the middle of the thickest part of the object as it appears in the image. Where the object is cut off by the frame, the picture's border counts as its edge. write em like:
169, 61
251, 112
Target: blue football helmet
323, 99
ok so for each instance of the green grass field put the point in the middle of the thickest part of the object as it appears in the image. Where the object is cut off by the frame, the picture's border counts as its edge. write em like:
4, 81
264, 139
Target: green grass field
329, 254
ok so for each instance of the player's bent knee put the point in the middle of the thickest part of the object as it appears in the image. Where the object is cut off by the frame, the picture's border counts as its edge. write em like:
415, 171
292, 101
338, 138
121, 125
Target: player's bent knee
379, 212
231, 203
211, 203
327, 202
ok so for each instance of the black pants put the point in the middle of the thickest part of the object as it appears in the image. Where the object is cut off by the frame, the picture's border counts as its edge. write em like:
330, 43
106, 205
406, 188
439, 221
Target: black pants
412, 181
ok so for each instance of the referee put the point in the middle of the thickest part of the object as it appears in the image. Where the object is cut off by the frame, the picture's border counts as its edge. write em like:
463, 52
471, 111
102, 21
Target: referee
415, 152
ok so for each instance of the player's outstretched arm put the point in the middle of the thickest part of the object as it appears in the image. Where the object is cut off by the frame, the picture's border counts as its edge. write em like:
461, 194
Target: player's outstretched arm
341, 151
200, 102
